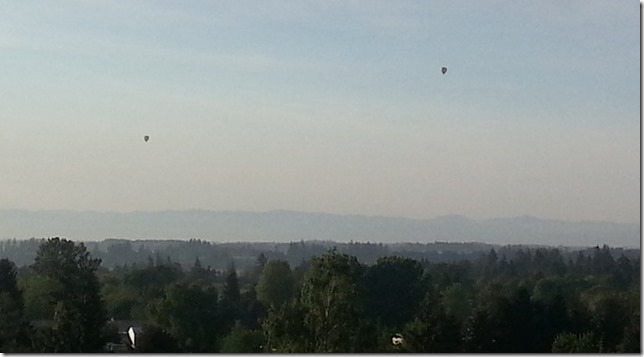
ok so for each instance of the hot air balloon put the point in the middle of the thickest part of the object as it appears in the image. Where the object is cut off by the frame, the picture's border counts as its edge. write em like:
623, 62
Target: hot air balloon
444, 70
146, 138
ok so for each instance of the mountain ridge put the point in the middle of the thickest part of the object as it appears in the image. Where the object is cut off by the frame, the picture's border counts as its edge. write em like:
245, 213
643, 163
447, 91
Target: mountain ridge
286, 225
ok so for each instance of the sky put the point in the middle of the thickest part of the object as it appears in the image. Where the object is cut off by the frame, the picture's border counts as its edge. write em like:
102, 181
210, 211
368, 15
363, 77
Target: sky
335, 106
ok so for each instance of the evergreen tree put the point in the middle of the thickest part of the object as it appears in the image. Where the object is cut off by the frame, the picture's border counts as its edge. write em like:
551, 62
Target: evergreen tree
259, 266
231, 293
197, 271
481, 332
251, 310
13, 325
230, 308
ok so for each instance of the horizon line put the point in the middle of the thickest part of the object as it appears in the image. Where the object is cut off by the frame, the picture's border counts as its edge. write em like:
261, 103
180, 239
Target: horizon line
280, 210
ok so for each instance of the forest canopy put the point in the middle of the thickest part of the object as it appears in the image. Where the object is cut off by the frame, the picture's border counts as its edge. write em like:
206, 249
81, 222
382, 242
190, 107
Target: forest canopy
195, 296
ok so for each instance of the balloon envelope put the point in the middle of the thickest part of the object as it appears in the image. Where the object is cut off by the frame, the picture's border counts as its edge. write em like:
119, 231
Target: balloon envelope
146, 138
444, 70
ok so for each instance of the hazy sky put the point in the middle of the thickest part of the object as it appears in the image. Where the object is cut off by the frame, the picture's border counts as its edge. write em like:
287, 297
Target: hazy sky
326, 106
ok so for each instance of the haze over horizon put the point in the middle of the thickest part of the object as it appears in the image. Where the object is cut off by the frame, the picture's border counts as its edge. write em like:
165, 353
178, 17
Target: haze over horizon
323, 106
288, 226
279, 210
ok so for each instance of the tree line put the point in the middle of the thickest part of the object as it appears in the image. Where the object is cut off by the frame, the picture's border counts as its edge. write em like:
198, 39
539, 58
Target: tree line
119, 252
519, 300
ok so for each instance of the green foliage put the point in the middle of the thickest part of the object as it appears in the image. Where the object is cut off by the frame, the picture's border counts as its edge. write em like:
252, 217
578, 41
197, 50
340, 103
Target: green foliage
189, 313
38, 304
502, 323
276, 284
444, 274
575, 343
231, 292
257, 269
432, 330
230, 304
153, 339
395, 288
251, 311
110, 333
8, 282
242, 340
13, 326
631, 340
69, 276
285, 329
150, 281
506, 299
333, 300
546, 290
121, 303
197, 272
481, 333
550, 319
456, 301
611, 315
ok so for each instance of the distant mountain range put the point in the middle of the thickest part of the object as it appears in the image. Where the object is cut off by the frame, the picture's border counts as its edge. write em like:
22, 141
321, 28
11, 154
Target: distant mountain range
286, 226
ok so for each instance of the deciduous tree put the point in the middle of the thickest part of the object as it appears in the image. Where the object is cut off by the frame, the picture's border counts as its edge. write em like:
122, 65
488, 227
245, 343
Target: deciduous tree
73, 289
333, 300
395, 289
189, 313
432, 330
276, 284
